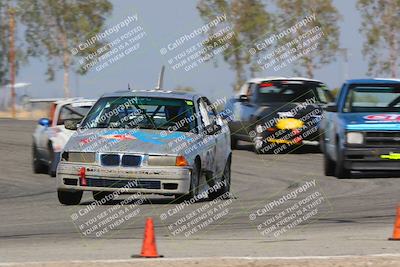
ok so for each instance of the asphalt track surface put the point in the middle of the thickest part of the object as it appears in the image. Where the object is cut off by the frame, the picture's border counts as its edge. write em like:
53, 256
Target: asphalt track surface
355, 217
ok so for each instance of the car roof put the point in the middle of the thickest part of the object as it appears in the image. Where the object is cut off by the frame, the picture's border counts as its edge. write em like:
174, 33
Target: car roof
373, 81
153, 93
274, 78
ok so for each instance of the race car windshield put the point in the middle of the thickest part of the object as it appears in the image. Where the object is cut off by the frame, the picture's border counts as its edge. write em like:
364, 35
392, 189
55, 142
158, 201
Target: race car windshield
372, 99
142, 113
292, 91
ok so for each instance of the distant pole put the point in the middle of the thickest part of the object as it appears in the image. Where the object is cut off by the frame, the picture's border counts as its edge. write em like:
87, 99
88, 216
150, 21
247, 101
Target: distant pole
345, 54
11, 13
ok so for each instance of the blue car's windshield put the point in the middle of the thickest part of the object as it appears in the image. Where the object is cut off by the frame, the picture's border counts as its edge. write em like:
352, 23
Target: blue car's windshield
142, 113
373, 98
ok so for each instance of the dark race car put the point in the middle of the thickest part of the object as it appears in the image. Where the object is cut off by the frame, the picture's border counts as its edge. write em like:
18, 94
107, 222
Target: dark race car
277, 114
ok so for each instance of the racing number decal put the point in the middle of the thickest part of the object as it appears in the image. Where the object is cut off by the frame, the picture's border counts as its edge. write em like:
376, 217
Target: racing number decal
383, 117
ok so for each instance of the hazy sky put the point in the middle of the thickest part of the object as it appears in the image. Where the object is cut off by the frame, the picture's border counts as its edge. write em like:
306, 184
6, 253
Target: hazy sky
164, 22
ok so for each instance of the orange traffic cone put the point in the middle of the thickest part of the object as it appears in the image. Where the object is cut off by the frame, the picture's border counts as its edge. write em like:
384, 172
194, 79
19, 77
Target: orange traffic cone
396, 230
149, 248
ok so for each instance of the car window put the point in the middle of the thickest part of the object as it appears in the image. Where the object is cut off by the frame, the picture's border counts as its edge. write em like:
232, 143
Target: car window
324, 95
283, 91
72, 112
205, 115
373, 98
251, 91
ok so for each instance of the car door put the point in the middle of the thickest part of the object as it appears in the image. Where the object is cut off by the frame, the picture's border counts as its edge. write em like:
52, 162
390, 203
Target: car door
209, 144
221, 138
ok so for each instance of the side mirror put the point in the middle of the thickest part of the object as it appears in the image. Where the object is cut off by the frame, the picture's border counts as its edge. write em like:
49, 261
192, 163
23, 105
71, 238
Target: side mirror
213, 129
331, 108
243, 98
71, 124
44, 122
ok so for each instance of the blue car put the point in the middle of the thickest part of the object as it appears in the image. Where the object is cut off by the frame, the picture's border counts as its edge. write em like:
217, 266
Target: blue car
361, 131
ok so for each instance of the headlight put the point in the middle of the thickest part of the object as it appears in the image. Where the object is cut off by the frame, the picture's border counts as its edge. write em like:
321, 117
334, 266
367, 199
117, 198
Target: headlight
354, 138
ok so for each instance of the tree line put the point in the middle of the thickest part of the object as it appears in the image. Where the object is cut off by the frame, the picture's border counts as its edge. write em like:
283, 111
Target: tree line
252, 20
53, 27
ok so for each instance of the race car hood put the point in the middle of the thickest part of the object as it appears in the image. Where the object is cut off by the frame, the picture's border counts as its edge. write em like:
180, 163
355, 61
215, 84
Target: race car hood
131, 141
370, 121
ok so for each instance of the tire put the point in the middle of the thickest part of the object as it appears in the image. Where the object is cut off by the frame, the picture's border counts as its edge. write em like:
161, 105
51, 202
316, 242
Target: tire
234, 143
51, 168
194, 184
340, 171
226, 177
258, 148
98, 195
69, 198
38, 166
329, 164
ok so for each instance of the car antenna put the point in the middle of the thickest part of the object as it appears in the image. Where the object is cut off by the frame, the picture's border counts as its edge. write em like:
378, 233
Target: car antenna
161, 78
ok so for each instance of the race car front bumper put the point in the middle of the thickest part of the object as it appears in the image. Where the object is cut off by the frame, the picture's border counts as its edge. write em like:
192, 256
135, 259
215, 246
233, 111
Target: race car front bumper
163, 180
371, 159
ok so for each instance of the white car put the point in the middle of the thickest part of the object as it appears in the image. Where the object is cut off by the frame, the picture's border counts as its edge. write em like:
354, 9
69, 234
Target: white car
50, 135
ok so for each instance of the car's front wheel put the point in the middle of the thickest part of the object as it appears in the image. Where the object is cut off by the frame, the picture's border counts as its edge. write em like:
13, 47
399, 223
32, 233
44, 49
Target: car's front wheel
226, 182
52, 161
329, 164
341, 171
38, 166
69, 197
234, 142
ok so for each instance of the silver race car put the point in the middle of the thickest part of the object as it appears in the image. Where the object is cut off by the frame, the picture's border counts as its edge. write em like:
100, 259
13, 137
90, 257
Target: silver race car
158, 142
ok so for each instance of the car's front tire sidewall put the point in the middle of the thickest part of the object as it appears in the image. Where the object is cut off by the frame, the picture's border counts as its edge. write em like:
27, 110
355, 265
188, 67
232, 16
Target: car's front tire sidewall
38, 166
340, 171
226, 178
329, 164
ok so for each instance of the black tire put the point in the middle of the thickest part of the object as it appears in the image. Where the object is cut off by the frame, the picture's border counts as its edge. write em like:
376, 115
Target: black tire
51, 168
234, 143
259, 148
329, 164
226, 177
340, 171
98, 195
194, 184
69, 197
38, 166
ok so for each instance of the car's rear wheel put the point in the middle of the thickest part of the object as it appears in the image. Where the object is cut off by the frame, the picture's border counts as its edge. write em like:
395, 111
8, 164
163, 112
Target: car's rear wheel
69, 197
38, 166
226, 180
341, 171
107, 197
